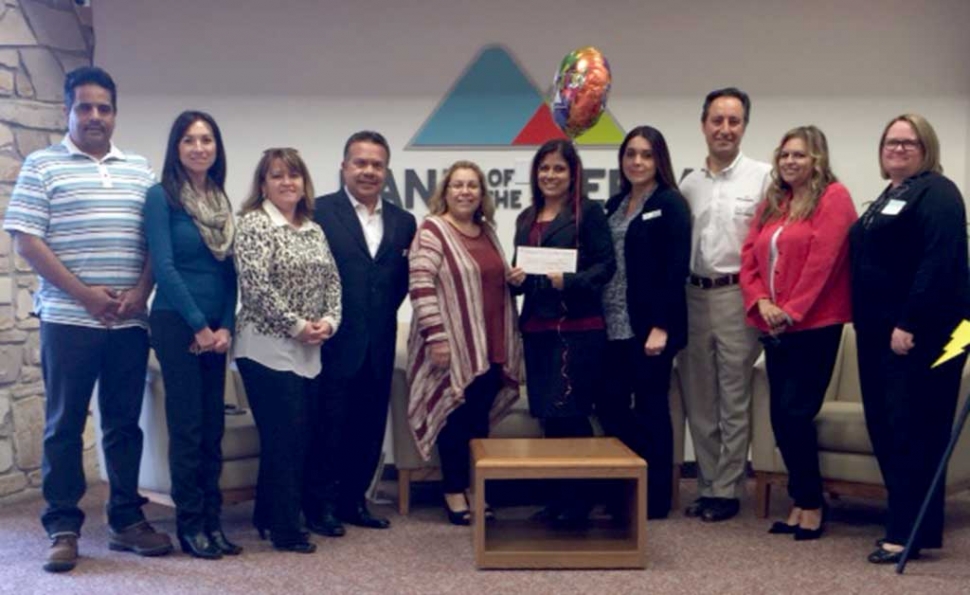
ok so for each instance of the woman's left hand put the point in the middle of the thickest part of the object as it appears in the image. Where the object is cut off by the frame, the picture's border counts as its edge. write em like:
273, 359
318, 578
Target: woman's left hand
556, 279
901, 341
656, 342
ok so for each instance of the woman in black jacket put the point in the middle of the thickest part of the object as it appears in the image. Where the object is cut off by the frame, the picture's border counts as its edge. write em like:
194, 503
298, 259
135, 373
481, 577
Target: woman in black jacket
645, 307
562, 322
909, 291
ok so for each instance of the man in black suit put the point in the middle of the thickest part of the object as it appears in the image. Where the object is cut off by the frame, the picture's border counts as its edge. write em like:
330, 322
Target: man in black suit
369, 239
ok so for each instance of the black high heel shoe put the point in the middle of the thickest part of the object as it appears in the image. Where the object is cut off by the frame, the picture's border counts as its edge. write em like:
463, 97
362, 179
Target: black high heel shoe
803, 534
199, 546
222, 543
462, 518
782, 528
265, 534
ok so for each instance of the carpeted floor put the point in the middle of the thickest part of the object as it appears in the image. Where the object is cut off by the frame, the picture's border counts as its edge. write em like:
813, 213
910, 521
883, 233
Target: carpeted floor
423, 554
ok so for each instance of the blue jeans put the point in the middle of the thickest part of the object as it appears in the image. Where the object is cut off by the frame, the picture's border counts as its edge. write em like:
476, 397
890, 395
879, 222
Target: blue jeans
73, 358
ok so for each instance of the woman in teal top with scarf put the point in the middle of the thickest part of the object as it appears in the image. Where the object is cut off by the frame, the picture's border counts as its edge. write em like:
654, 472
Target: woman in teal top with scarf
189, 227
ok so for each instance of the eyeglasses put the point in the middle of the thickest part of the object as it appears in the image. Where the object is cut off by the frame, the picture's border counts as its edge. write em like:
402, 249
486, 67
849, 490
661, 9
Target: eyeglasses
459, 186
906, 144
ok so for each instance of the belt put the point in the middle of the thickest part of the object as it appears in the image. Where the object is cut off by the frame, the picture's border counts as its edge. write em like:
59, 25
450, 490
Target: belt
712, 283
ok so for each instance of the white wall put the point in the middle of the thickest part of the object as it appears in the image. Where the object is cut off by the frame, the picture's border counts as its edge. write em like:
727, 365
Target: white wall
307, 74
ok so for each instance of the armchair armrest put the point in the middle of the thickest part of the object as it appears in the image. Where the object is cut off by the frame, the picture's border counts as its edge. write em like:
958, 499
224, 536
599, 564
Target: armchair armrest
762, 436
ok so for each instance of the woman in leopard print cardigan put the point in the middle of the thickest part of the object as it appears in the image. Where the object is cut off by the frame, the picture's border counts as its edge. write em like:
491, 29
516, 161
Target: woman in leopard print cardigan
290, 296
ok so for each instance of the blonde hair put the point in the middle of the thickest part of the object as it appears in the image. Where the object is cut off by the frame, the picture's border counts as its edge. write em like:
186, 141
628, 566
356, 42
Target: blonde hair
779, 190
927, 138
438, 205
292, 160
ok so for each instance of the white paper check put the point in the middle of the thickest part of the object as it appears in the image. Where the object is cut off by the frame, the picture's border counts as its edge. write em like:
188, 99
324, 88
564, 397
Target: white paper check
539, 261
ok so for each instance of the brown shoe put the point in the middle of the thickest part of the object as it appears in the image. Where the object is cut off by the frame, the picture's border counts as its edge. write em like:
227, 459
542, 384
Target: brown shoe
63, 554
141, 539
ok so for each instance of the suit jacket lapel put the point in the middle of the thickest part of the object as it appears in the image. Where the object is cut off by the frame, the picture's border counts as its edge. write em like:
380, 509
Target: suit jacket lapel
562, 220
348, 218
387, 240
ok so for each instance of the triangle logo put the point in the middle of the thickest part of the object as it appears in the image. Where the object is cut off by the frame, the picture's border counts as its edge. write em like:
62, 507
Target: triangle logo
540, 128
494, 105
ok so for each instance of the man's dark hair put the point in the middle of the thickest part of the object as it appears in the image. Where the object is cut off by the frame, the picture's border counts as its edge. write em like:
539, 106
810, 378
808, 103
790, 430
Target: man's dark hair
727, 92
89, 75
367, 136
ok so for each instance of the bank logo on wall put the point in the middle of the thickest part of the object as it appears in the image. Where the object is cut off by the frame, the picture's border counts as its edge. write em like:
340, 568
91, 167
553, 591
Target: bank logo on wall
495, 105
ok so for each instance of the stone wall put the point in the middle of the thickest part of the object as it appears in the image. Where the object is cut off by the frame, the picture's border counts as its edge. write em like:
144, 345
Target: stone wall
40, 40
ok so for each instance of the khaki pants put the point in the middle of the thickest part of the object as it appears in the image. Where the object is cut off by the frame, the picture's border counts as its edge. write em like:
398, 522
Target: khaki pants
715, 371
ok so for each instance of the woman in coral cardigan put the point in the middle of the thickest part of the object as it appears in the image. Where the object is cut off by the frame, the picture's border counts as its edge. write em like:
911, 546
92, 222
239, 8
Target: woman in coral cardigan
795, 282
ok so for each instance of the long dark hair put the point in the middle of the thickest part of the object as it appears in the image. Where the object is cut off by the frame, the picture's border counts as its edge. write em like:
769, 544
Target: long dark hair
173, 172
661, 157
571, 157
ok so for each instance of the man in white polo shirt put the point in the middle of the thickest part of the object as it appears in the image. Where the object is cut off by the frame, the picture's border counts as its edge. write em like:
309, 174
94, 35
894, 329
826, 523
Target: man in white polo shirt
715, 368
76, 217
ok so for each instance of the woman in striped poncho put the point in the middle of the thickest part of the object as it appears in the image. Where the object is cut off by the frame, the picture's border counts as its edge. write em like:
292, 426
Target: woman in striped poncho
464, 350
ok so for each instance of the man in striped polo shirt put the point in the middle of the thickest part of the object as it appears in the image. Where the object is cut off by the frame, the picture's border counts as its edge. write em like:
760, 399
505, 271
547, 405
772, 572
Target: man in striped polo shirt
76, 217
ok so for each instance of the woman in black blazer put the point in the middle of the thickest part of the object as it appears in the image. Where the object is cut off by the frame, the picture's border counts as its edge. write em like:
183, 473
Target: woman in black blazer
909, 291
562, 324
645, 307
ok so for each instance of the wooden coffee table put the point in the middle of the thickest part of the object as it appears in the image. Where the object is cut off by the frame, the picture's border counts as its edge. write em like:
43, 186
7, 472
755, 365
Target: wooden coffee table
527, 543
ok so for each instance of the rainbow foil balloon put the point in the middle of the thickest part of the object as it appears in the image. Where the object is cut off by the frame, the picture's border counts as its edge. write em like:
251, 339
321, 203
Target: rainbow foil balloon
580, 89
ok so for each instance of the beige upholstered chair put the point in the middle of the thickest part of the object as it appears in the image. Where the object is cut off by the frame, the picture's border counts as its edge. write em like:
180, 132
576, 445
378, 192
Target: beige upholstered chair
518, 424
845, 453
240, 445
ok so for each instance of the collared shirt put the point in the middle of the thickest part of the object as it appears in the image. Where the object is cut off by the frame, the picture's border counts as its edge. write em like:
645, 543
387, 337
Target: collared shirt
89, 212
722, 205
371, 223
287, 277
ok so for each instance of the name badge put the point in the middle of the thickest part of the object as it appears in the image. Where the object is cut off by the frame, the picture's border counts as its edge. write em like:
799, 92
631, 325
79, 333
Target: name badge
651, 215
893, 207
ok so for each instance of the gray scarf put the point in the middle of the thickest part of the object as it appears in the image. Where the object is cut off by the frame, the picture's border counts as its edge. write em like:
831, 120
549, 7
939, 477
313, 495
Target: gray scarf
212, 214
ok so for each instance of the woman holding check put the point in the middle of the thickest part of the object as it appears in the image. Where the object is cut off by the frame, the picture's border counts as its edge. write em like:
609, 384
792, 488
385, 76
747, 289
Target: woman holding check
562, 324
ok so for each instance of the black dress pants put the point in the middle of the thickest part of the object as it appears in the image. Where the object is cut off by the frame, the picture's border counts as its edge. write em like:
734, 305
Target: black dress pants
469, 420
194, 405
280, 403
799, 366
349, 423
909, 410
634, 406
